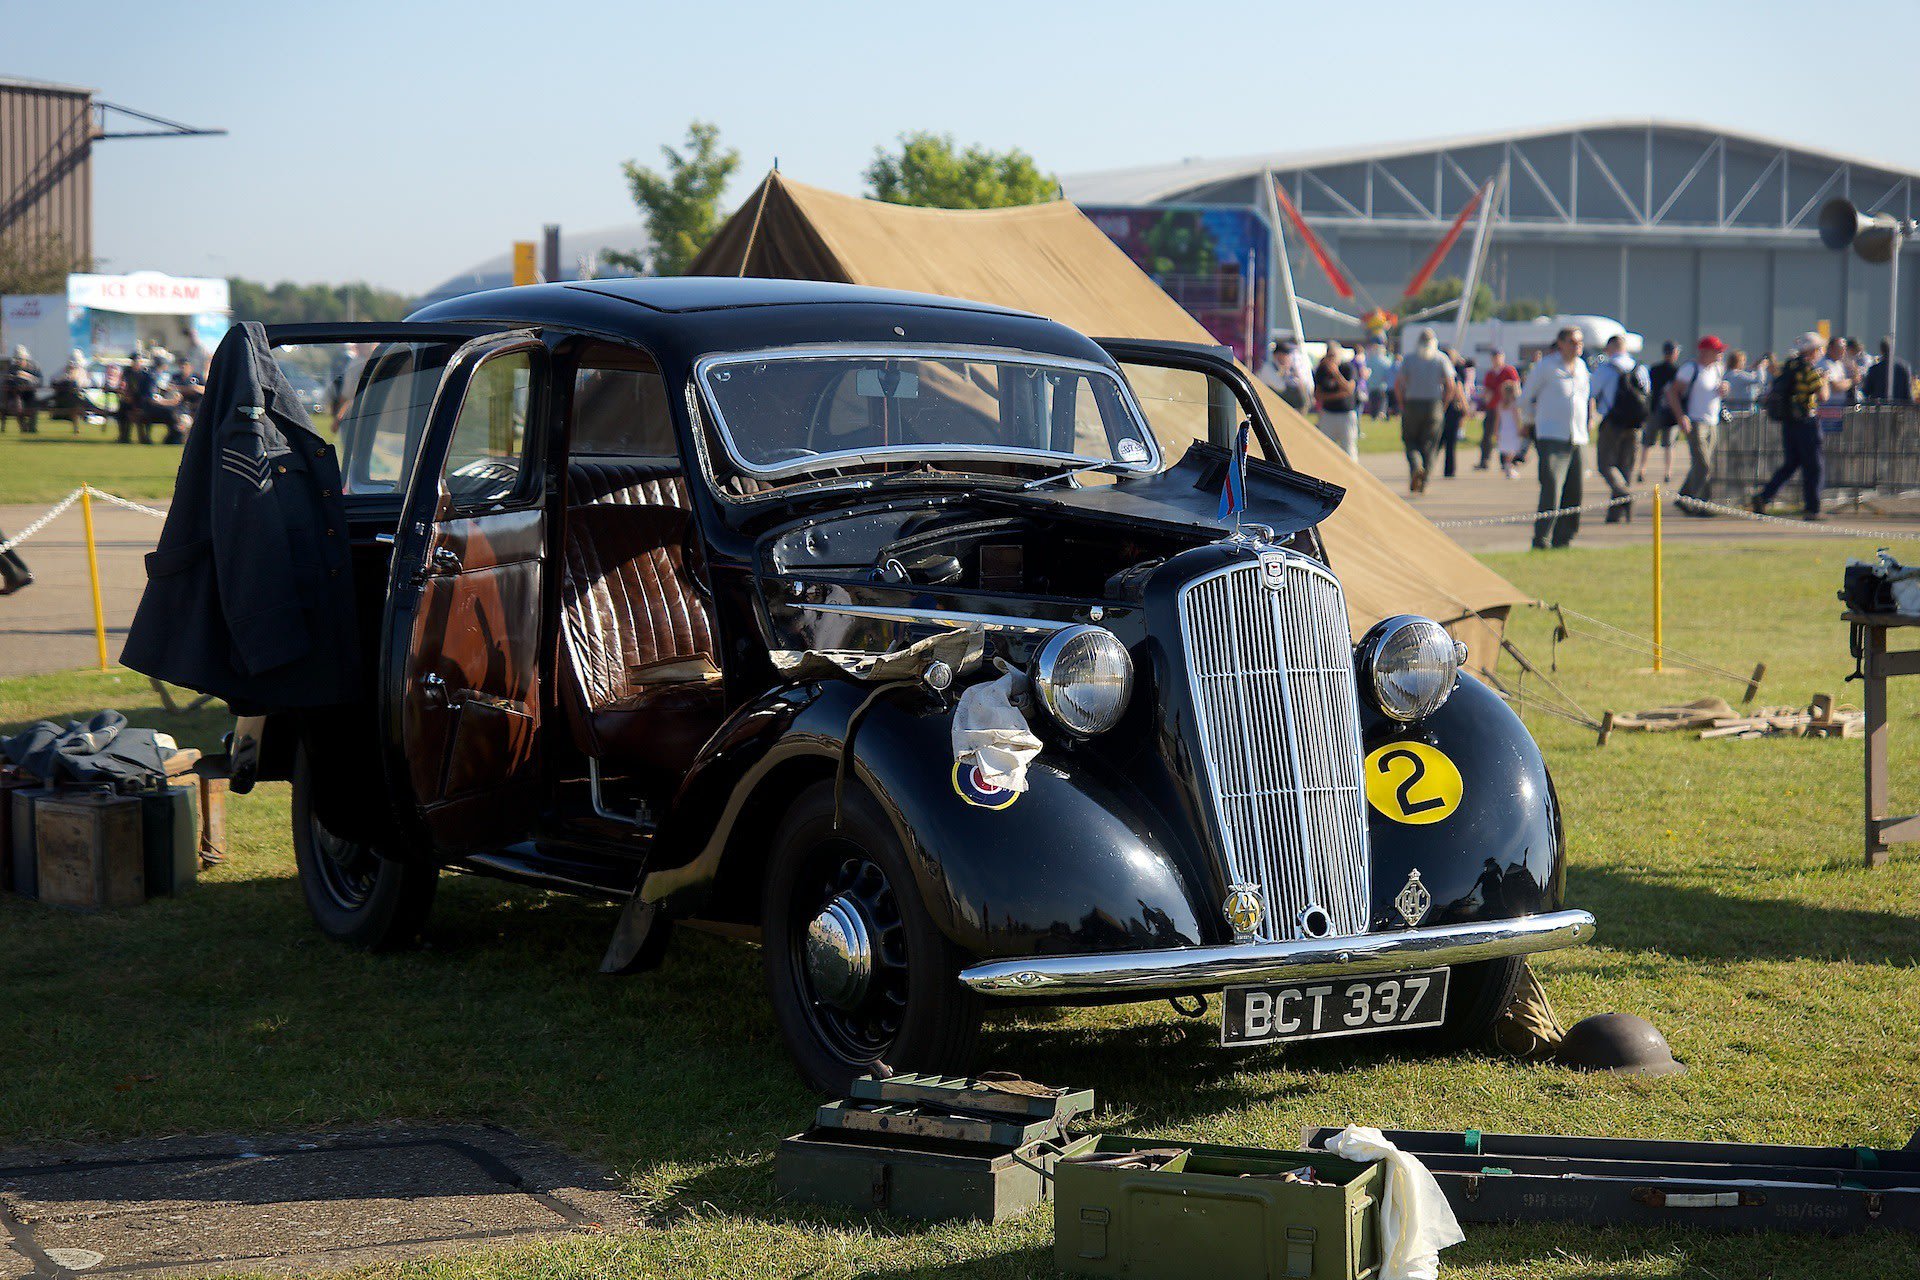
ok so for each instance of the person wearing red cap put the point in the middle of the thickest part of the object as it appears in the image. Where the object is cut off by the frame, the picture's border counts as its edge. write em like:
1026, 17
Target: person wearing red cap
1693, 397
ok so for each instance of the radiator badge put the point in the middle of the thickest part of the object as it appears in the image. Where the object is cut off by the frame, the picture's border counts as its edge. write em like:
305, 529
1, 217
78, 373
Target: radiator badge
1244, 911
1413, 900
1273, 570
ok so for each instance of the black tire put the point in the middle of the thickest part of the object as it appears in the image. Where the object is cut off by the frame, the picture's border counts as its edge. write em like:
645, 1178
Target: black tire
356, 896
1476, 997
911, 1013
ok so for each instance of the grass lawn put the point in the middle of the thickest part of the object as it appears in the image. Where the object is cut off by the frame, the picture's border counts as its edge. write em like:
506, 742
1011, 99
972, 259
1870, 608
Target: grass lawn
1733, 912
48, 466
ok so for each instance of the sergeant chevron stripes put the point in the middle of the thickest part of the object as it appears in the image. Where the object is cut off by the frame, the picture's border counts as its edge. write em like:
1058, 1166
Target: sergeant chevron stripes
252, 470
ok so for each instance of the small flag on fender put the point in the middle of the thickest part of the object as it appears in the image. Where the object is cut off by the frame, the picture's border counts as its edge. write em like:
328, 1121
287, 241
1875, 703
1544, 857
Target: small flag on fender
1233, 490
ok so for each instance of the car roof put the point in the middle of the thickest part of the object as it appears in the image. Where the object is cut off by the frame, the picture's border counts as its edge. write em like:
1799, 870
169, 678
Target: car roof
686, 316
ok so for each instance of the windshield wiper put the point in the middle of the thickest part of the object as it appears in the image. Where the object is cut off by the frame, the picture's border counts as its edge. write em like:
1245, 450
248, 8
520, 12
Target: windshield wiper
1079, 469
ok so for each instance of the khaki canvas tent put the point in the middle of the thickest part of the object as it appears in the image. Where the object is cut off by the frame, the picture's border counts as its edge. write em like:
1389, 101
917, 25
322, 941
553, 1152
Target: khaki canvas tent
1050, 260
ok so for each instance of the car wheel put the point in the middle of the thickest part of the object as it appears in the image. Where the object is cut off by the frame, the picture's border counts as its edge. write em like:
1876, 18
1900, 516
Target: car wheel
856, 968
1477, 995
355, 895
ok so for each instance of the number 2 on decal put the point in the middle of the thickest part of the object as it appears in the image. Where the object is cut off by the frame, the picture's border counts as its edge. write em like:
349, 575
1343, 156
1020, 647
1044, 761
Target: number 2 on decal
1413, 782
1404, 792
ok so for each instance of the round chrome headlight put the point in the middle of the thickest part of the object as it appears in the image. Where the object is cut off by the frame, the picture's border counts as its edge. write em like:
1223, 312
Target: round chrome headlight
1409, 664
1083, 676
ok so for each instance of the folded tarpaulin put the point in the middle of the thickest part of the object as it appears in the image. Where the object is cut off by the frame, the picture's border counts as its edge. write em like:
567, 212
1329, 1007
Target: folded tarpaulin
101, 752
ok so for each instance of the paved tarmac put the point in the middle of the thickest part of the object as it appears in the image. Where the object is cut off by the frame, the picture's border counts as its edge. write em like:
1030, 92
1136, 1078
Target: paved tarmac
49, 626
1476, 495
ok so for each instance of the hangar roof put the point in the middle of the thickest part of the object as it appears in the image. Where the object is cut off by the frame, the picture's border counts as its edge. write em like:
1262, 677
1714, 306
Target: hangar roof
1147, 184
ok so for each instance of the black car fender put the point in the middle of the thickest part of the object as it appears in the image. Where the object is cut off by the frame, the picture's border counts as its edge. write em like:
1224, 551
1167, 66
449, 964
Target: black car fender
1495, 852
1071, 865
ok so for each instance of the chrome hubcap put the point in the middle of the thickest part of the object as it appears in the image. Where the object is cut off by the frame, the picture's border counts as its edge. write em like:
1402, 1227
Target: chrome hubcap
840, 954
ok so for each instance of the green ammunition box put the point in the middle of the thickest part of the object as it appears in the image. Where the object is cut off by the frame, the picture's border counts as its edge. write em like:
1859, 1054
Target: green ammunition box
930, 1182
1215, 1213
171, 837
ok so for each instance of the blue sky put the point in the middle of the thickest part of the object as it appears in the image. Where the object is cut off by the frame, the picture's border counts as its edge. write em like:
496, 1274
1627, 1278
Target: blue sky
400, 143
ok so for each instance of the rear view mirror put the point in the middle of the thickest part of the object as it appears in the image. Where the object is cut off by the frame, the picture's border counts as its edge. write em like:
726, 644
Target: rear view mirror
886, 384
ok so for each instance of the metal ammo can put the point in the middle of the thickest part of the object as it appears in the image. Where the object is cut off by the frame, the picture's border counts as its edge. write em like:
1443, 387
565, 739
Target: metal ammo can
1214, 1213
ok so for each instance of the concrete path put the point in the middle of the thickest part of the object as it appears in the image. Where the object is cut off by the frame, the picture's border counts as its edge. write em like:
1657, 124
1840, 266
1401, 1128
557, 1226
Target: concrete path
1476, 495
295, 1204
49, 625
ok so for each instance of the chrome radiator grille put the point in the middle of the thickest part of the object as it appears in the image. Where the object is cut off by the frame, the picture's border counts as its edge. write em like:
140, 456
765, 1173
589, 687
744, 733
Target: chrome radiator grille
1270, 659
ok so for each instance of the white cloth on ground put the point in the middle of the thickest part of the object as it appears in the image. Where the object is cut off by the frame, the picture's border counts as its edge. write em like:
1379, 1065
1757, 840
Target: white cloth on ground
990, 731
1416, 1222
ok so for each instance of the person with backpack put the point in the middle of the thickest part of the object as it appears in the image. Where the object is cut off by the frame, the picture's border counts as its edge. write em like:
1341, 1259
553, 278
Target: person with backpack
1794, 402
1693, 398
1621, 397
1659, 425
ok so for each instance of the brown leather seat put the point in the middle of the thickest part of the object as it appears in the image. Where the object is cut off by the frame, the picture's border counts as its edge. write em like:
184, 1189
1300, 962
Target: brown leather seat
635, 629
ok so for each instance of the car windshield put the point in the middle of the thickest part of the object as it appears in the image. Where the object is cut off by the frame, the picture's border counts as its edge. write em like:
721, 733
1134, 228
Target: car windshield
792, 414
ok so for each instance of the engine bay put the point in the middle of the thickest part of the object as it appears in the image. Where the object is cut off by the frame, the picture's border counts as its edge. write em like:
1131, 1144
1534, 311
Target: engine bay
966, 549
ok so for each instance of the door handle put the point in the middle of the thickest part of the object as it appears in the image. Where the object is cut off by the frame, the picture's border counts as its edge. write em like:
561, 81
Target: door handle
445, 560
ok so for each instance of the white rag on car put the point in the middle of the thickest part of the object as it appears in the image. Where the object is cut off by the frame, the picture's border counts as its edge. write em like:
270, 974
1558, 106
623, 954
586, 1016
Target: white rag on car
990, 731
1416, 1222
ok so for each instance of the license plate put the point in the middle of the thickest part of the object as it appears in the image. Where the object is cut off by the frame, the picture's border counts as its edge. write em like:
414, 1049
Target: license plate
1276, 1011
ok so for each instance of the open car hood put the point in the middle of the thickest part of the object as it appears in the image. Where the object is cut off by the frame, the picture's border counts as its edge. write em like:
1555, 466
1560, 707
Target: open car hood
1188, 493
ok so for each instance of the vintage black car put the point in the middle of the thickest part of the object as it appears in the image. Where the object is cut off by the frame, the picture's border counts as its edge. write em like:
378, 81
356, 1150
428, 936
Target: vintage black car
670, 590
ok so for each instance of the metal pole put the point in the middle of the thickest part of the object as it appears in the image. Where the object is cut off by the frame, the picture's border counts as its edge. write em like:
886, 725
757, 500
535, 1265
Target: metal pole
1659, 649
1893, 311
1285, 273
93, 571
1476, 259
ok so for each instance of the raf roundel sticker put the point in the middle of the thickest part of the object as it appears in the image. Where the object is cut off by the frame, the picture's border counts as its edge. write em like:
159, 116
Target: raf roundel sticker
1412, 782
972, 786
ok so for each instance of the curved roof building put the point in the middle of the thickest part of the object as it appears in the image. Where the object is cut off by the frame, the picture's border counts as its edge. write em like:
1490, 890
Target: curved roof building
1674, 228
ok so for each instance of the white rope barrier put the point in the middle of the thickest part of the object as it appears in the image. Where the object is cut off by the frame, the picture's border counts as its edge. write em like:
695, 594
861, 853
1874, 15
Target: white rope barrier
42, 522
1527, 517
59, 508
1795, 523
128, 503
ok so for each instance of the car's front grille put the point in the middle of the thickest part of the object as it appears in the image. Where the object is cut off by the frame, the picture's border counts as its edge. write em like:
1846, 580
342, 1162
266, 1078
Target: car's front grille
1270, 660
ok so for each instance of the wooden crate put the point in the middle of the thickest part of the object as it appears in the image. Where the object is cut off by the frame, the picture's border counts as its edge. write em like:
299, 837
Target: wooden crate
89, 851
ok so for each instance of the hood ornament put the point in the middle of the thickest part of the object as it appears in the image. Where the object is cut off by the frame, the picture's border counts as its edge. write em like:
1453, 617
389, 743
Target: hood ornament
1413, 901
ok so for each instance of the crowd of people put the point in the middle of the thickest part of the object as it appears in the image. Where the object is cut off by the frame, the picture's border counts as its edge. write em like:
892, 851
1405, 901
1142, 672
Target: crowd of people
151, 389
1561, 406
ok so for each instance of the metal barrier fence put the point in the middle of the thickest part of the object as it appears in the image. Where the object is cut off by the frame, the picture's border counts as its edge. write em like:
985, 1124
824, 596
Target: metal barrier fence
1877, 449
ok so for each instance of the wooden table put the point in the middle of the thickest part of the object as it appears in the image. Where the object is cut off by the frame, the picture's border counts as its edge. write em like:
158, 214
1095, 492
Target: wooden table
1877, 664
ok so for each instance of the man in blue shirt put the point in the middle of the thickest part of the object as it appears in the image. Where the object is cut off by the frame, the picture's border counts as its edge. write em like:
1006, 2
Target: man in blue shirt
1620, 420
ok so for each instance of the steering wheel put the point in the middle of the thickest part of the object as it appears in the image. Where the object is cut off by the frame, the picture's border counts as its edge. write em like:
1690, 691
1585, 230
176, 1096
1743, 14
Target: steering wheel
780, 455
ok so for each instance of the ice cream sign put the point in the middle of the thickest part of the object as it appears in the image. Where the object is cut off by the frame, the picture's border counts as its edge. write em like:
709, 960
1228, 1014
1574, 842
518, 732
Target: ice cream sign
147, 293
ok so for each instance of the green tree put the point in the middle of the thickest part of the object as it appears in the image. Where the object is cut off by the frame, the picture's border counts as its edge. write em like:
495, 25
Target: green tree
929, 172
290, 303
37, 264
681, 204
1525, 309
1446, 289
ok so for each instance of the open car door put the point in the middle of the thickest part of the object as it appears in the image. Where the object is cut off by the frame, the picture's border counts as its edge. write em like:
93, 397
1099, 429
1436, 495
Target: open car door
459, 660
1195, 398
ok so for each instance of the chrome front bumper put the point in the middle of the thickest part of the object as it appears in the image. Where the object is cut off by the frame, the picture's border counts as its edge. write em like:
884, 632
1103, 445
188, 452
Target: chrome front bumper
1153, 973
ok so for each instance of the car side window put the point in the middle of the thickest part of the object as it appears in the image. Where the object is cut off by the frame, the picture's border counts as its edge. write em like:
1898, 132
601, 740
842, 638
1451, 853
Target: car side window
620, 405
1184, 405
490, 433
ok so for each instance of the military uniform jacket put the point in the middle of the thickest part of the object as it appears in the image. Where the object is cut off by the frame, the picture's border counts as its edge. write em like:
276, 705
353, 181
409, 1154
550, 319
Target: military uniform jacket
250, 591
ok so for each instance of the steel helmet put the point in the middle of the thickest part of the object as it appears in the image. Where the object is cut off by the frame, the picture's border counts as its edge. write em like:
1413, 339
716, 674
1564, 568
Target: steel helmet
1621, 1043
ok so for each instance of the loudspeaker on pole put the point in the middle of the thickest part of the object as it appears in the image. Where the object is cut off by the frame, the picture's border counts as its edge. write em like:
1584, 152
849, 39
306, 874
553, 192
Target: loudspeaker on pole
1875, 237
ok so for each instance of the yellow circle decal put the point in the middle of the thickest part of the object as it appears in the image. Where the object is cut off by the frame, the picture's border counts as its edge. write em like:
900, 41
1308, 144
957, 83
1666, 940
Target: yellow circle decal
1412, 782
